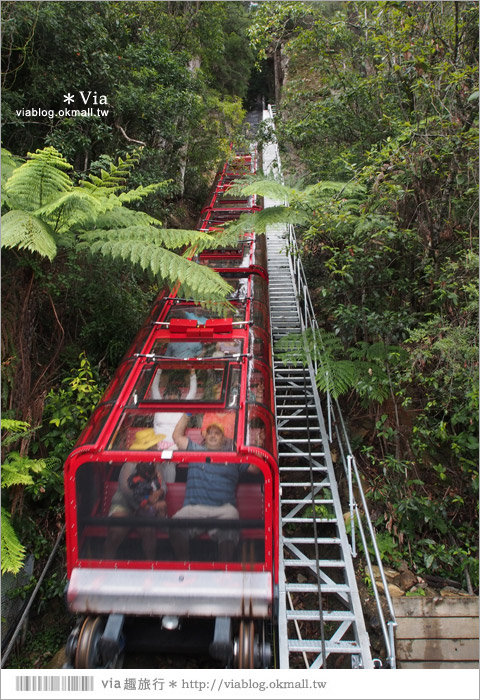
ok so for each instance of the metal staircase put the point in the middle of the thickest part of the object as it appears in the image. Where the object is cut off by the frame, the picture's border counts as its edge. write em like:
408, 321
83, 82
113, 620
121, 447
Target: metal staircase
321, 622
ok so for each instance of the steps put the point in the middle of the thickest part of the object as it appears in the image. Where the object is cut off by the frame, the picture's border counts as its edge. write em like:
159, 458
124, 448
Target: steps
321, 621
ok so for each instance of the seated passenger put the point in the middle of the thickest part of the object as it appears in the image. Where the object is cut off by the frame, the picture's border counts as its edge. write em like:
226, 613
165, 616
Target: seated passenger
125, 502
256, 432
164, 423
211, 488
147, 491
256, 390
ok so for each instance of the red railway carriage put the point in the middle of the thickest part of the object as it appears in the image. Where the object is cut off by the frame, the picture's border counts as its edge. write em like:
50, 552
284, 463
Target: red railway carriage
188, 418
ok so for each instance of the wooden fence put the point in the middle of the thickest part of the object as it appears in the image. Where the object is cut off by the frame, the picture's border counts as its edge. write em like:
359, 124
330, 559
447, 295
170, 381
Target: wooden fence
437, 632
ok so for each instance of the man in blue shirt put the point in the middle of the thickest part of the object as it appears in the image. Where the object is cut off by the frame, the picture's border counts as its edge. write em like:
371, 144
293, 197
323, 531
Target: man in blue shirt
210, 488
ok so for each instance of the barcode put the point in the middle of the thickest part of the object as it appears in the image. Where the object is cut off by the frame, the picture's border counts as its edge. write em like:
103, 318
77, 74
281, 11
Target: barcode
51, 683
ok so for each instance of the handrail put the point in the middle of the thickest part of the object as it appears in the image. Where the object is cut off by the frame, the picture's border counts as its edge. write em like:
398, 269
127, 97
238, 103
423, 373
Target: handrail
309, 321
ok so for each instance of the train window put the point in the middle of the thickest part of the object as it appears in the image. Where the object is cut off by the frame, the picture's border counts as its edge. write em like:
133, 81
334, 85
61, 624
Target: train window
92, 430
220, 515
185, 349
259, 428
260, 256
145, 429
231, 257
259, 389
259, 344
112, 391
174, 383
240, 288
121, 511
190, 311
130, 512
260, 315
260, 288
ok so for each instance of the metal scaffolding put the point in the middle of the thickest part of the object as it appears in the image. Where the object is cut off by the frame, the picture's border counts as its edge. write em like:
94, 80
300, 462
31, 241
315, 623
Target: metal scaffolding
321, 621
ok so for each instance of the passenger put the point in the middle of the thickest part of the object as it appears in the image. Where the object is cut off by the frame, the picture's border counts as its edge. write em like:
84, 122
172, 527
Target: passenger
210, 488
256, 432
164, 423
160, 437
147, 491
125, 503
257, 387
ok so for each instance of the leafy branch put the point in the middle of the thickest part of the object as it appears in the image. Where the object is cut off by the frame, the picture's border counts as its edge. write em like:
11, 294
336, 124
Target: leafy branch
46, 209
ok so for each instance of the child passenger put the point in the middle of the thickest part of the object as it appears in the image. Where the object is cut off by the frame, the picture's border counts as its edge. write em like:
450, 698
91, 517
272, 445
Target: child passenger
147, 491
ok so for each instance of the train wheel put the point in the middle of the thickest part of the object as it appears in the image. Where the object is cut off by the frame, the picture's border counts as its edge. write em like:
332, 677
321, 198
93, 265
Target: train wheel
86, 655
245, 657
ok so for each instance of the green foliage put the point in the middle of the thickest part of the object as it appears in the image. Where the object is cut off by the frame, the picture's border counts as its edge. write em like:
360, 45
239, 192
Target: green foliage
174, 76
13, 552
363, 368
60, 208
379, 99
68, 408
17, 471
22, 230
38, 181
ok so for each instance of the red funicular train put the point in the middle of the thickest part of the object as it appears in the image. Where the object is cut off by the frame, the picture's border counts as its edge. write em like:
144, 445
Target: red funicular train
187, 422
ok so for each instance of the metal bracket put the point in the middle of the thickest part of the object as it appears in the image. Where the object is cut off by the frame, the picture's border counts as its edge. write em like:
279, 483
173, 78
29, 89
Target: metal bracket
111, 643
221, 648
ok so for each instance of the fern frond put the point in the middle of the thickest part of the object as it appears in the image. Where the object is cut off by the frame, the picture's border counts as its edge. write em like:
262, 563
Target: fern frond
273, 189
8, 164
12, 550
141, 192
78, 208
23, 230
39, 180
10, 477
116, 178
18, 469
172, 239
328, 189
277, 215
336, 376
259, 221
18, 426
122, 217
197, 279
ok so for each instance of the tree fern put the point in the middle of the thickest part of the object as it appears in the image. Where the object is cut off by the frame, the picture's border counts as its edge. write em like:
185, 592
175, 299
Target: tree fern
142, 231
23, 230
41, 179
48, 209
12, 550
116, 177
264, 187
362, 368
259, 221
8, 165
17, 470
195, 279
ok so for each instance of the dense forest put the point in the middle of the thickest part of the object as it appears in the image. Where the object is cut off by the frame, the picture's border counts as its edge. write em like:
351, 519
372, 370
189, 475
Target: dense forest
377, 122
